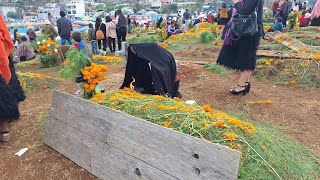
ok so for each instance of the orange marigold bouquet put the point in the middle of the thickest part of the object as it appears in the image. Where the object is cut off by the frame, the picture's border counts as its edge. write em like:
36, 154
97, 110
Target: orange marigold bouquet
92, 75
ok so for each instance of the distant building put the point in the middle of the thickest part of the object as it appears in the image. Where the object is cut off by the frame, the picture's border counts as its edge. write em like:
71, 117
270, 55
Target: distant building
75, 8
50, 8
89, 1
6, 9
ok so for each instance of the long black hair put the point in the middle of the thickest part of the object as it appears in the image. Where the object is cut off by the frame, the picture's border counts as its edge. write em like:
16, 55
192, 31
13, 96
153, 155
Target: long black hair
15, 33
108, 19
98, 22
120, 14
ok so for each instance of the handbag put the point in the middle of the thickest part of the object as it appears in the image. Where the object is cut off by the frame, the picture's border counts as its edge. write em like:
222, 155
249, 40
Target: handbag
244, 25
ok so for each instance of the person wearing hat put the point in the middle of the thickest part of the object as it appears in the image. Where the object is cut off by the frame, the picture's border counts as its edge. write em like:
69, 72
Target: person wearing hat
304, 19
49, 30
24, 51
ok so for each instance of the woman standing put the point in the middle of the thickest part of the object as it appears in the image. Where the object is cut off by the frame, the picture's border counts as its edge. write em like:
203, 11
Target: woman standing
121, 23
111, 33
101, 27
241, 54
315, 14
11, 92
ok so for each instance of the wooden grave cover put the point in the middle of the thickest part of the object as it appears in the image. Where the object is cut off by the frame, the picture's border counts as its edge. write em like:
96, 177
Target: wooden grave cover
113, 145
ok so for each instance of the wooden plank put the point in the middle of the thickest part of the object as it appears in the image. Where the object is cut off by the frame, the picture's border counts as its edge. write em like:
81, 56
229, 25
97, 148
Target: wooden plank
95, 156
193, 62
280, 54
171, 152
291, 43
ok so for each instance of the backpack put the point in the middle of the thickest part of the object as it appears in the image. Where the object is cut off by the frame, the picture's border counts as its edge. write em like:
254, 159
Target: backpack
223, 13
99, 34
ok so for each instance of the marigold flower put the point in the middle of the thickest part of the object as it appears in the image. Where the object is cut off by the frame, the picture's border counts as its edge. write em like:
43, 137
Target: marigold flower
218, 124
167, 124
207, 108
230, 136
292, 82
235, 121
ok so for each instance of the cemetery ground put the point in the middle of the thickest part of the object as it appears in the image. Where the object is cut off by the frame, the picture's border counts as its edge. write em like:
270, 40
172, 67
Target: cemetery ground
294, 110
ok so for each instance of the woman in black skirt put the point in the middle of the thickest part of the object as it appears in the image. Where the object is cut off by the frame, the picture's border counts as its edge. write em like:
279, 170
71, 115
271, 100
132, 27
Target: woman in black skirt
11, 92
240, 54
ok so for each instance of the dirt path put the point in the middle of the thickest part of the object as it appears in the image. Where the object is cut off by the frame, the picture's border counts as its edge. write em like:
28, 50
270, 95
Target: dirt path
294, 108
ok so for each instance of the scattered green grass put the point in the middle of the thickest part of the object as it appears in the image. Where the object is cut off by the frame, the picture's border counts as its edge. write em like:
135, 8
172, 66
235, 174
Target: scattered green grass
42, 122
215, 68
28, 63
266, 154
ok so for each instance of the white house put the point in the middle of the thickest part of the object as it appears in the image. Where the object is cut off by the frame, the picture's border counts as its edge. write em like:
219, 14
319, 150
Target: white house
6, 9
53, 9
75, 8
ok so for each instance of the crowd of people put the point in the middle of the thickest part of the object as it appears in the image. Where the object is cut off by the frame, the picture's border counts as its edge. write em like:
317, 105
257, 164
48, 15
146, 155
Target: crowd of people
104, 35
282, 8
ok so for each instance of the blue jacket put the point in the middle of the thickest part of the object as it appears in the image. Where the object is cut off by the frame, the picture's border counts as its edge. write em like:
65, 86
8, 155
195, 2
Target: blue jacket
83, 47
278, 27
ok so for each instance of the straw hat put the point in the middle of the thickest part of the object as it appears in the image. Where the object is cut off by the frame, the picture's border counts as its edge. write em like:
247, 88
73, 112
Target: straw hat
307, 15
47, 22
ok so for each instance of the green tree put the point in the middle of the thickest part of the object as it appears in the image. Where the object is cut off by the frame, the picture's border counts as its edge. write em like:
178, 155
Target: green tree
173, 8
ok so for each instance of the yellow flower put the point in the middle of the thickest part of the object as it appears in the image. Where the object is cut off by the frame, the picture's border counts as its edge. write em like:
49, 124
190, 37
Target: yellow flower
207, 108
218, 124
292, 82
235, 121
230, 136
259, 67
167, 124
206, 126
316, 56
98, 98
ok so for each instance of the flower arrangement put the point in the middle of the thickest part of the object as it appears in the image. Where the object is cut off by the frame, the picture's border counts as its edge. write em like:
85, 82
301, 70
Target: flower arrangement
49, 52
92, 75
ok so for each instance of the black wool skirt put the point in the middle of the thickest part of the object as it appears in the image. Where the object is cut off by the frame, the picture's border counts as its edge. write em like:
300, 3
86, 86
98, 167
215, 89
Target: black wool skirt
315, 22
15, 84
9, 110
242, 55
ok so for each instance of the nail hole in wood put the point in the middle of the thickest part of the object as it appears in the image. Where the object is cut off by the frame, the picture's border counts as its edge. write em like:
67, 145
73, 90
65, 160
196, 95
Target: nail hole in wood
196, 156
197, 171
137, 171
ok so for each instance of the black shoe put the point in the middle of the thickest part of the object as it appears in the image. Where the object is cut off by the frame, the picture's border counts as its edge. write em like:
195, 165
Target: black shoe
244, 92
248, 86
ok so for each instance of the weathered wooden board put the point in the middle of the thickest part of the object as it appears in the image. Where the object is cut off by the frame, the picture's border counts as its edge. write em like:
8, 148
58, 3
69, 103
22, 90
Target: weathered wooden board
291, 43
112, 145
280, 54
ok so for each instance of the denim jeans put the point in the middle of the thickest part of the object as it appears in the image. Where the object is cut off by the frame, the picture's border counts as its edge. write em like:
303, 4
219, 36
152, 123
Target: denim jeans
94, 48
63, 41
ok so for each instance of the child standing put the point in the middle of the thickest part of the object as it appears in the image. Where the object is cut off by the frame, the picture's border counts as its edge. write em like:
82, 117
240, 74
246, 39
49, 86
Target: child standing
93, 39
111, 33
80, 44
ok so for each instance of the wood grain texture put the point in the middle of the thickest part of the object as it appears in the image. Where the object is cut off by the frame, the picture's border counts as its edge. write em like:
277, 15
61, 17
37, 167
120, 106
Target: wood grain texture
98, 138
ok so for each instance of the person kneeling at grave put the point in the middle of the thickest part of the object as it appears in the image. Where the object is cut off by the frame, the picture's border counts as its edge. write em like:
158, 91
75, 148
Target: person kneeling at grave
278, 26
24, 52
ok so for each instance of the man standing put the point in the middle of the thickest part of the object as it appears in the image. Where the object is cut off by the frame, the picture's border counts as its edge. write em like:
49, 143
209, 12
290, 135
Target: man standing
275, 7
284, 12
186, 17
64, 28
